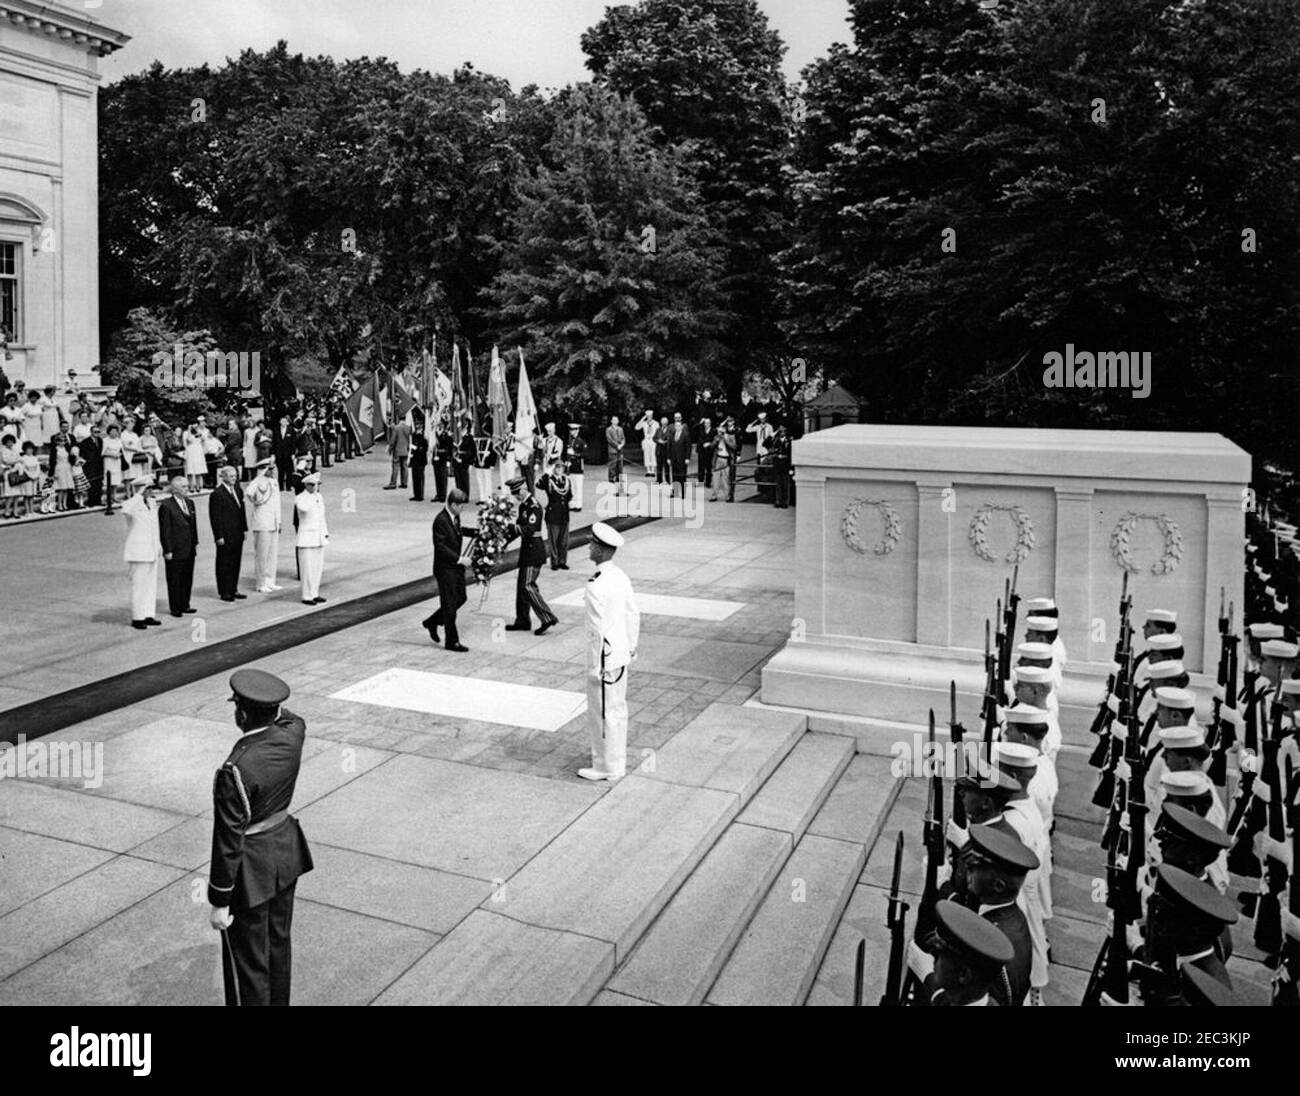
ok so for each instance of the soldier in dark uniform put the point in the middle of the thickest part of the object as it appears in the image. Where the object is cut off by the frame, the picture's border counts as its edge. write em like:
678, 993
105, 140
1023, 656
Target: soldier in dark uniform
463, 460
441, 451
1185, 918
970, 955
418, 461
258, 849
997, 865
532, 557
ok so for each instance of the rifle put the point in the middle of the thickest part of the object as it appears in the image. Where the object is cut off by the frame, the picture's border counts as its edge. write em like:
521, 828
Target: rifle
1268, 908
1286, 986
957, 733
935, 854
859, 971
1244, 812
989, 713
1009, 629
1222, 733
1117, 739
896, 923
1110, 704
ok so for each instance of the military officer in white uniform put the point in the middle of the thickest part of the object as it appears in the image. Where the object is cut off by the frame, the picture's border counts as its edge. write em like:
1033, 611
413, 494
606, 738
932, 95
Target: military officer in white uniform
313, 535
613, 629
142, 552
264, 523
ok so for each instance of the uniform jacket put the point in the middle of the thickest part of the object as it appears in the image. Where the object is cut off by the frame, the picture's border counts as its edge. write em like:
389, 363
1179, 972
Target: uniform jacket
557, 499
446, 544
178, 528
552, 450
613, 620
256, 781
226, 513
1011, 920
419, 455
532, 548
575, 450
142, 542
264, 494
312, 530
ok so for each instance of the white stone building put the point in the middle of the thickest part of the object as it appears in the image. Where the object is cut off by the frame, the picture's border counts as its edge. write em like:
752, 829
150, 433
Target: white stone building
49, 201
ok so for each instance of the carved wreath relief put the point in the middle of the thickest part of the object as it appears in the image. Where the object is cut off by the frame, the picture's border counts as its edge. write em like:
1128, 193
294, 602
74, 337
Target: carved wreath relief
1122, 535
888, 515
976, 534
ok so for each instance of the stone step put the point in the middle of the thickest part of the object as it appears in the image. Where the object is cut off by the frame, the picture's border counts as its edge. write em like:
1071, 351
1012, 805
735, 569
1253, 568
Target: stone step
777, 958
800, 785
679, 958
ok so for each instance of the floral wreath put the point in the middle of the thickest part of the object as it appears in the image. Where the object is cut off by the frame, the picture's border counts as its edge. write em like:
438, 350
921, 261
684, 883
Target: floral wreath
1123, 533
496, 527
1024, 533
849, 526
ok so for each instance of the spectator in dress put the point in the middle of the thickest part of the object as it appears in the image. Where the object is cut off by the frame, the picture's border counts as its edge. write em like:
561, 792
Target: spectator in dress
112, 465
32, 419
30, 463
10, 456
196, 460
11, 417
61, 470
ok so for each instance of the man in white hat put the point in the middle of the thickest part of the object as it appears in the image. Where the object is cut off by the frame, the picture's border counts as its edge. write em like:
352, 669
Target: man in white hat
613, 630
264, 523
141, 553
1158, 621
1180, 748
1171, 674
1040, 654
1045, 607
1021, 817
313, 535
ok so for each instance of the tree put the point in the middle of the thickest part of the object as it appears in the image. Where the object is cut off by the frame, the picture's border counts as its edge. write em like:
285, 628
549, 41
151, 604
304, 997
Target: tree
607, 276
131, 365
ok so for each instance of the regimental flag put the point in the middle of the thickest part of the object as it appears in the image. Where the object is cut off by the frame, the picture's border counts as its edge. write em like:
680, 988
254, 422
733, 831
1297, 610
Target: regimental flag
359, 409
343, 383
379, 409
498, 398
525, 416
393, 404
457, 393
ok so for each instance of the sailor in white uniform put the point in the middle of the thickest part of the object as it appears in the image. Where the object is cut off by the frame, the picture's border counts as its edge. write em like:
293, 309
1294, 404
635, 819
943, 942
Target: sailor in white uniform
613, 629
1046, 607
264, 523
313, 535
142, 551
1033, 685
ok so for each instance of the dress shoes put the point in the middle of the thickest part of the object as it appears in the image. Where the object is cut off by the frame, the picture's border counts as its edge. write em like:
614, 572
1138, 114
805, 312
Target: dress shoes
153, 622
525, 627
459, 648
191, 609
227, 598
545, 628
139, 624
178, 614
241, 597
318, 601
598, 774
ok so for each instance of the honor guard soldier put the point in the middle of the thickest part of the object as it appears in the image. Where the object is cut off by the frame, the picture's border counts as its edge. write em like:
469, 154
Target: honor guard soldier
1159, 621
532, 557
996, 866
1162, 675
313, 535
258, 849
1042, 629
1040, 655
1046, 607
1277, 662
969, 958
1258, 634
1033, 686
1201, 989
1181, 748
1185, 920
1028, 725
613, 628
1021, 818
1189, 841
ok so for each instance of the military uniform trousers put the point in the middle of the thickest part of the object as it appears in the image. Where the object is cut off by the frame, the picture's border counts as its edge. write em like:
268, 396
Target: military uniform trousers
257, 952
557, 541
311, 564
577, 479
144, 589
607, 720
266, 549
440, 480
529, 597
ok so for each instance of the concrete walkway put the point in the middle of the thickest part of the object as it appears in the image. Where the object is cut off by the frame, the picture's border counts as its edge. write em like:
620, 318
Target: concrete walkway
422, 824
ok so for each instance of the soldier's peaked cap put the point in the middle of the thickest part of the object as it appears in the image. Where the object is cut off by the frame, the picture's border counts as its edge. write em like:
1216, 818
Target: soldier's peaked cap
966, 932
1190, 826
258, 687
1003, 849
607, 534
515, 484
1196, 895
1201, 988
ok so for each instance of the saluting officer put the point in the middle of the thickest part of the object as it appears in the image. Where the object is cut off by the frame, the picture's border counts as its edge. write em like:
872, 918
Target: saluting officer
613, 630
258, 849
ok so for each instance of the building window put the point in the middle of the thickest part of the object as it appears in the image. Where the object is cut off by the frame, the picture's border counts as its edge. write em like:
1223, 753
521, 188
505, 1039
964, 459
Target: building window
10, 302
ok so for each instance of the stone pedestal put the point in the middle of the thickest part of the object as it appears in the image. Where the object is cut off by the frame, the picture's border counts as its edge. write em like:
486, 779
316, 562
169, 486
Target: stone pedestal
906, 536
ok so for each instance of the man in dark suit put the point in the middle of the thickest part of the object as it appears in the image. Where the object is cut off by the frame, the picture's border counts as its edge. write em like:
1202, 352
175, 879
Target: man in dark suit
92, 453
679, 452
229, 525
258, 849
178, 529
448, 571
704, 441
419, 461
399, 451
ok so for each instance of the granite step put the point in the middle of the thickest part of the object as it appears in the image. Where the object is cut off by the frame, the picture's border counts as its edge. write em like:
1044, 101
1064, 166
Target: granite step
679, 958
777, 958
800, 785
611, 872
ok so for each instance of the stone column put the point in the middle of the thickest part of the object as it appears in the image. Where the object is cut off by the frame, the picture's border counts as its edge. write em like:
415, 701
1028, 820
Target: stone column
1225, 535
1073, 573
933, 564
810, 531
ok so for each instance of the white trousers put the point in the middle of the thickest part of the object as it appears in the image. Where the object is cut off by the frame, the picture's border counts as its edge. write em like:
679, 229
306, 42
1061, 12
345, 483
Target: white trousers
144, 589
577, 479
266, 551
482, 483
311, 562
648, 453
608, 733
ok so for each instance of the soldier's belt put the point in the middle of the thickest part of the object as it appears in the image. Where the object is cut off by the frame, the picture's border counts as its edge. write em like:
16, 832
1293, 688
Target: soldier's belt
267, 823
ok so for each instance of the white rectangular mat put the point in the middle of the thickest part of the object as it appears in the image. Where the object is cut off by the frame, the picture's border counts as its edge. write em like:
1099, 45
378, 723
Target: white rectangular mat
689, 608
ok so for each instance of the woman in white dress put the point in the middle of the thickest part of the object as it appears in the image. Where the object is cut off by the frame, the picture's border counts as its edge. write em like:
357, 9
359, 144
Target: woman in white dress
150, 447
196, 461
132, 453
9, 458
61, 469
32, 420
31, 464
12, 418
250, 449
112, 464
51, 416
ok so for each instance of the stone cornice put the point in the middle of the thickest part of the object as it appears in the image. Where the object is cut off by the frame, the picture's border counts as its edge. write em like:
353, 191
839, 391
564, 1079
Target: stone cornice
56, 21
